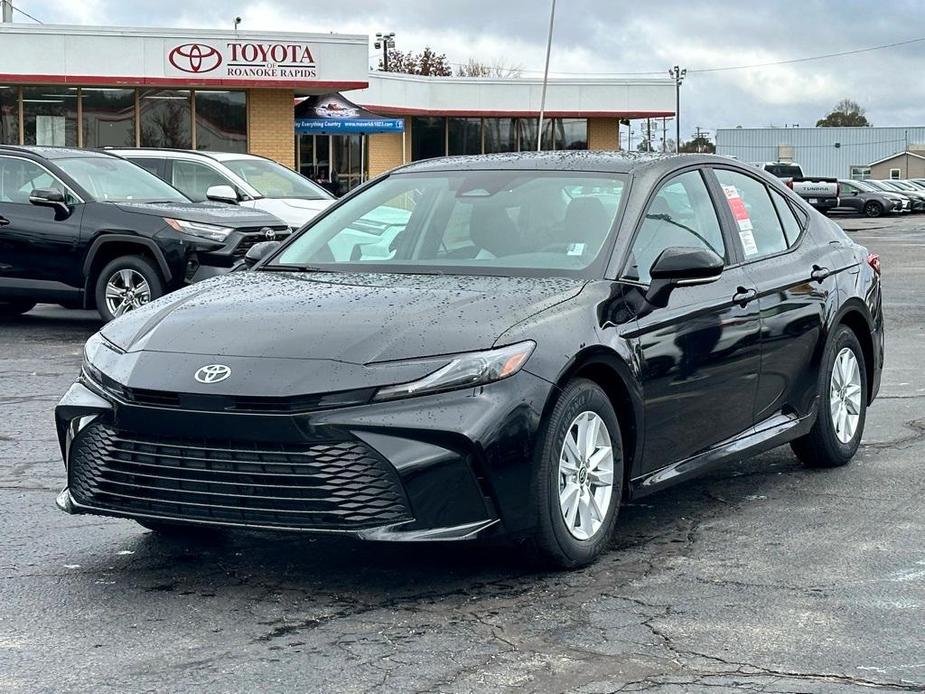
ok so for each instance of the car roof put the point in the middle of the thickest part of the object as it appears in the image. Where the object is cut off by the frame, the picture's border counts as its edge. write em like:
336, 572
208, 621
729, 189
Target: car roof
168, 151
564, 160
53, 152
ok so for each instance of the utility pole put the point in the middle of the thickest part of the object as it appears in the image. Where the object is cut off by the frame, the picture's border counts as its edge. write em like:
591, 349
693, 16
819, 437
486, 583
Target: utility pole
539, 130
677, 73
385, 42
7, 10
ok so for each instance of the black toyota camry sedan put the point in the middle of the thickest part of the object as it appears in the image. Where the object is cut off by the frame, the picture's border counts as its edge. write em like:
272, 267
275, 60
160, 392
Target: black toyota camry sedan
533, 340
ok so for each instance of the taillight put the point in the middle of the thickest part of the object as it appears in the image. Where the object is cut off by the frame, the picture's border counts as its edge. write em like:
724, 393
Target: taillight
874, 261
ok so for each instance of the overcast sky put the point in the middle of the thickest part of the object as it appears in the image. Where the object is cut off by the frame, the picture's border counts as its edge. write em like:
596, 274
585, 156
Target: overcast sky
616, 36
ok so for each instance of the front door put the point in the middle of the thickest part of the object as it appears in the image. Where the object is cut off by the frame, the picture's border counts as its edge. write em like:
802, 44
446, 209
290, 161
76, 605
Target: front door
700, 354
39, 246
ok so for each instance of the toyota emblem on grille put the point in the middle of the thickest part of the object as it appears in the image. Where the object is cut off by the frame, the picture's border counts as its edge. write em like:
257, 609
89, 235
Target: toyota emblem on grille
212, 373
269, 233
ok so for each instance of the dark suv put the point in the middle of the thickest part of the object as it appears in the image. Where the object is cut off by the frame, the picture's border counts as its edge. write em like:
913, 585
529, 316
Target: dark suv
88, 229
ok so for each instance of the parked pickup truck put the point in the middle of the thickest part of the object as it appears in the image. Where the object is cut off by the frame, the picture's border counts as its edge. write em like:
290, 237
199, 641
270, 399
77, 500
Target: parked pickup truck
821, 193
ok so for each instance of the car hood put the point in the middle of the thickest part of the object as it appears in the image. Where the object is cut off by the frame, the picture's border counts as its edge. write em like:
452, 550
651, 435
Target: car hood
344, 317
294, 211
206, 212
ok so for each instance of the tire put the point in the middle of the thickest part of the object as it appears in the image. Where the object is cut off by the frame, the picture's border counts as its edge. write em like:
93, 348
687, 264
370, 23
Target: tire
15, 308
556, 541
873, 209
135, 277
828, 443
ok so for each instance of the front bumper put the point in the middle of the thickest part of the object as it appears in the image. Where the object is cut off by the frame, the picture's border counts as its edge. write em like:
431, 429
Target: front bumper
454, 466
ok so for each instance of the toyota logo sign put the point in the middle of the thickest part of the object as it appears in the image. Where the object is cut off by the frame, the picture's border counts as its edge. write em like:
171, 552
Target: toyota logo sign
212, 373
195, 57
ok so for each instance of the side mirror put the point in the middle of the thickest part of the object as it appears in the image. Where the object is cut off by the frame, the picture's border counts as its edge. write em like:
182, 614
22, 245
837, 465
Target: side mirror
259, 251
222, 194
50, 197
681, 267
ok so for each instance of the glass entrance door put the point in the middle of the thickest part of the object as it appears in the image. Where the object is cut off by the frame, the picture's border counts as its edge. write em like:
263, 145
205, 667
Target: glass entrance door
333, 161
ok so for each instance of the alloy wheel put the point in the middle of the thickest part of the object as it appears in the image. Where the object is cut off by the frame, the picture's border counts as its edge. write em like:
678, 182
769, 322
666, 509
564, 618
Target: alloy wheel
845, 395
585, 475
126, 290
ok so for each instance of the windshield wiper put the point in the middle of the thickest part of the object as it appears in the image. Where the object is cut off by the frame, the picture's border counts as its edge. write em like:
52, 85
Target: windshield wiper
292, 268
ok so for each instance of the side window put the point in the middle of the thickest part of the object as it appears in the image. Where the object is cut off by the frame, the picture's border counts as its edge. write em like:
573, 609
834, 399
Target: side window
757, 223
19, 177
680, 214
155, 166
792, 227
194, 179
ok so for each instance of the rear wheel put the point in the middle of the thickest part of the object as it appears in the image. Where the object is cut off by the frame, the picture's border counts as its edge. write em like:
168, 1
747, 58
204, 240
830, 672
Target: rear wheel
125, 284
873, 209
16, 308
579, 477
839, 425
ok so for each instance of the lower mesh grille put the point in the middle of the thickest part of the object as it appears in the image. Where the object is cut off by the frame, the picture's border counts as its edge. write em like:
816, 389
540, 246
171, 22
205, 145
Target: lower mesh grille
333, 485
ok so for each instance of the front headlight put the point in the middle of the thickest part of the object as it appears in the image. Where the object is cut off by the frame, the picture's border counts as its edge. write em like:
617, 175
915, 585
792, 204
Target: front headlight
92, 351
466, 370
212, 232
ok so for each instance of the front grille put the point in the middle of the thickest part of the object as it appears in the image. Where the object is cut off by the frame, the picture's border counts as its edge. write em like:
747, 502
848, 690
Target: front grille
237, 403
333, 485
255, 236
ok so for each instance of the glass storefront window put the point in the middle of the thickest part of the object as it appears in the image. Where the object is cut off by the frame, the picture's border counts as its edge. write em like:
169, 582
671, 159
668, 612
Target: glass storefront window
428, 137
571, 133
50, 116
500, 135
221, 121
464, 136
9, 115
165, 118
108, 117
526, 134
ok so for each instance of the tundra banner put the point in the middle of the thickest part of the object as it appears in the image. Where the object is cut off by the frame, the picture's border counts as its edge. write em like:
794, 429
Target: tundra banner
234, 59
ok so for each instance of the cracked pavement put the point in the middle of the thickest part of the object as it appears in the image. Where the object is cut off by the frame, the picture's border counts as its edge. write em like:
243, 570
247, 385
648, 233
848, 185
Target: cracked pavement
762, 576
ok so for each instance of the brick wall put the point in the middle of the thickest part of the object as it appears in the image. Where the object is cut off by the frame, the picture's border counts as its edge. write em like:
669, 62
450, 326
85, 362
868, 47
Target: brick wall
603, 133
385, 150
271, 124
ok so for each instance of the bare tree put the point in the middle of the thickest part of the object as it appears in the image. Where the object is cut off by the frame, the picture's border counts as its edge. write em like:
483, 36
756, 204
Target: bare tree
498, 69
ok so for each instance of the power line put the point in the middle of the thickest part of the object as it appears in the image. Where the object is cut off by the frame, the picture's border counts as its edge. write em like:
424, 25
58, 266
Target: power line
26, 14
750, 66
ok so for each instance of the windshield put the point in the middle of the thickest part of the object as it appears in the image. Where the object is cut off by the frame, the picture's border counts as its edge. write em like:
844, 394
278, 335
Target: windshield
469, 222
784, 170
877, 185
901, 185
109, 179
274, 180
864, 185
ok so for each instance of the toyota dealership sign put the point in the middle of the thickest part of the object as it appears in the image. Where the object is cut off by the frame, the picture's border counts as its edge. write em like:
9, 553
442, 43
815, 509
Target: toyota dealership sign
252, 60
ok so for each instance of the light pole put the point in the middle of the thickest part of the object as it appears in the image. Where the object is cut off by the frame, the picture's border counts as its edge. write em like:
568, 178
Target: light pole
539, 130
678, 75
385, 42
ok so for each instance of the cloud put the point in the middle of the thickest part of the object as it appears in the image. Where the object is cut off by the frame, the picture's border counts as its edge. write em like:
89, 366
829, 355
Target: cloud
597, 36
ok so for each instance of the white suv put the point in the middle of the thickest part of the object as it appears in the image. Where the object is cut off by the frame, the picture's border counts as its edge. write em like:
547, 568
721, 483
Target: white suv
243, 179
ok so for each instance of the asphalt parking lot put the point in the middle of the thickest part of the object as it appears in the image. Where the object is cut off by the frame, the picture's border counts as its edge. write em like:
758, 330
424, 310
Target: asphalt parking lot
763, 576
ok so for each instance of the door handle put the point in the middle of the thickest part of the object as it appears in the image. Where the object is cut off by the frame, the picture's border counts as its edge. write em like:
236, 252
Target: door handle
4, 221
743, 296
820, 273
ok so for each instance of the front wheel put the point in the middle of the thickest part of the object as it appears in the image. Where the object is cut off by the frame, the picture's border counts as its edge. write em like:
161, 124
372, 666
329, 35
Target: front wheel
579, 479
873, 209
125, 284
839, 425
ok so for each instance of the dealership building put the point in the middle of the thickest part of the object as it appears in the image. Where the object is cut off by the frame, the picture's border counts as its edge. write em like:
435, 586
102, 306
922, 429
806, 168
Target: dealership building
882, 152
238, 91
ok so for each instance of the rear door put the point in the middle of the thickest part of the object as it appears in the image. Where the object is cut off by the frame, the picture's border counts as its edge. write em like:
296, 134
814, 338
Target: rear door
700, 354
39, 246
794, 278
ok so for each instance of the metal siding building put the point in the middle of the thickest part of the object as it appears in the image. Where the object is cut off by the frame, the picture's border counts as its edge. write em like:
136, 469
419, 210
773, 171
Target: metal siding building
820, 151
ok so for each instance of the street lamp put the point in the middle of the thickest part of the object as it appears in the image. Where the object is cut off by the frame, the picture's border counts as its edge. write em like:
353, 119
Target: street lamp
385, 42
677, 74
